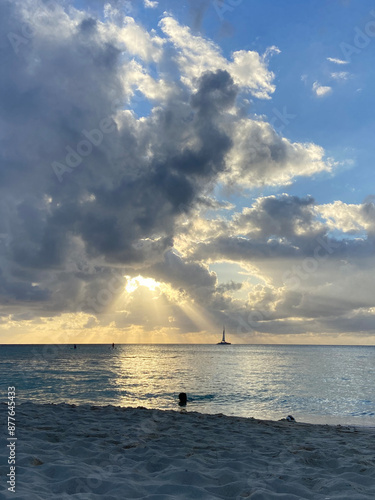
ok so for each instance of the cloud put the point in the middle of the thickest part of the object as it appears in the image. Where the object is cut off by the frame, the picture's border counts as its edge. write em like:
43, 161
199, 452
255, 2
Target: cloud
259, 156
303, 273
285, 226
138, 41
341, 75
195, 55
120, 203
283, 216
321, 90
336, 61
348, 218
149, 4
144, 127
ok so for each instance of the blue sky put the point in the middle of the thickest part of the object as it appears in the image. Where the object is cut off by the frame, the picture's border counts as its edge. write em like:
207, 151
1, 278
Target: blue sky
307, 33
167, 167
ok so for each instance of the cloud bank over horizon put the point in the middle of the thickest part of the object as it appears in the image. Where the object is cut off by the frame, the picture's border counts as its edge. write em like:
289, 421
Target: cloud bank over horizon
121, 148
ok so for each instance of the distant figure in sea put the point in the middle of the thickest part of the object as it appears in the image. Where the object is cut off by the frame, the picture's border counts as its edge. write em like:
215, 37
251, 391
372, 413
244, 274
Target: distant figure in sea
75, 347
289, 418
113, 345
182, 399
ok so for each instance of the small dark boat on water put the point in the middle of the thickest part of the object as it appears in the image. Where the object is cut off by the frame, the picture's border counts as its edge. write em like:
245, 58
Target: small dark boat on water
223, 342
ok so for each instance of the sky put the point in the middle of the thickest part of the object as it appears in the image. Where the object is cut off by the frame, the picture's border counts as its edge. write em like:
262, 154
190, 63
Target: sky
167, 168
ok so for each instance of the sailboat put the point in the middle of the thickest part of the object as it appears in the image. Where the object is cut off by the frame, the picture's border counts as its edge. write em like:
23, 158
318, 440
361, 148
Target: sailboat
223, 340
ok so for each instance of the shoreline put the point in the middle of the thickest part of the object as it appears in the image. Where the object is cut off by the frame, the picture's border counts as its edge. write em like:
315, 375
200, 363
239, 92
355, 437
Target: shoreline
85, 451
310, 419
182, 343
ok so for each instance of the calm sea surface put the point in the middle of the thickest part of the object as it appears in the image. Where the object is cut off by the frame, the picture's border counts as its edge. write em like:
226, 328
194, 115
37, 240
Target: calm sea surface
318, 384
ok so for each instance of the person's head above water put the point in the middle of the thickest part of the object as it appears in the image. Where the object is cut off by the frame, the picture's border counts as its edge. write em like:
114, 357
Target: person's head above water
182, 399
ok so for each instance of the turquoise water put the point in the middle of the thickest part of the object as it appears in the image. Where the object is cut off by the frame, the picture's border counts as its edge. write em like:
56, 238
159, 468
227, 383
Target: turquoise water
318, 384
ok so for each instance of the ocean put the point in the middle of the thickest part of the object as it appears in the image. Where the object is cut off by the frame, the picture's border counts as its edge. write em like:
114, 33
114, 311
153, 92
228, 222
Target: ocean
316, 384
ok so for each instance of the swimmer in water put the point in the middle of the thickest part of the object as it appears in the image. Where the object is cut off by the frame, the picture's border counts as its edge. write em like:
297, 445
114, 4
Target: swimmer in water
182, 399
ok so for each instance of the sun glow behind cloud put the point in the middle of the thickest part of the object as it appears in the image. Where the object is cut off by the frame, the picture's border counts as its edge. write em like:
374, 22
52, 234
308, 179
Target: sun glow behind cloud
133, 283
158, 298
141, 243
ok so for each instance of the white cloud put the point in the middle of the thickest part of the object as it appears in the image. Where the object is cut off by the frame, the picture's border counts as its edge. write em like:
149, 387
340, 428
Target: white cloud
259, 156
336, 61
249, 71
321, 90
348, 218
196, 55
270, 51
138, 41
340, 75
137, 77
149, 4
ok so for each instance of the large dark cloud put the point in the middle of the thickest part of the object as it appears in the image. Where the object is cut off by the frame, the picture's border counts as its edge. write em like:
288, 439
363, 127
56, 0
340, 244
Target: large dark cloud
67, 201
279, 216
285, 227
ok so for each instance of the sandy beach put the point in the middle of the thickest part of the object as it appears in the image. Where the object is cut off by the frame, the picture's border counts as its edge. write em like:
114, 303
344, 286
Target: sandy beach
89, 452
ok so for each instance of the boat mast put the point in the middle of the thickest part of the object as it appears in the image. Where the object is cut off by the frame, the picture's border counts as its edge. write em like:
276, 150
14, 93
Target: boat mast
223, 334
